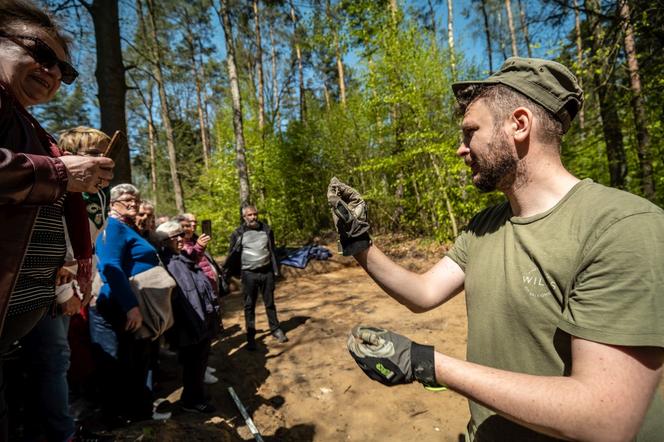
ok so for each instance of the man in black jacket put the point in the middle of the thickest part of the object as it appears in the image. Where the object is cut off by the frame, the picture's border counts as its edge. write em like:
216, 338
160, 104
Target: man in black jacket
252, 255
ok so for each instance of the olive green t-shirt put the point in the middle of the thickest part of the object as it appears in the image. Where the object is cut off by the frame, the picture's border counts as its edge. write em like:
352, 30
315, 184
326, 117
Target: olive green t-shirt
592, 267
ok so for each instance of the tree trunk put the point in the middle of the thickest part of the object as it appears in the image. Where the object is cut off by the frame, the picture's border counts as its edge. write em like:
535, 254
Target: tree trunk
240, 149
394, 9
340, 70
443, 187
579, 58
152, 144
205, 99
434, 27
189, 38
165, 114
510, 24
201, 118
450, 38
487, 33
613, 138
275, 82
420, 206
259, 69
300, 69
524, 28
501, 39
326, 94
110, 74
638, 106
337, 53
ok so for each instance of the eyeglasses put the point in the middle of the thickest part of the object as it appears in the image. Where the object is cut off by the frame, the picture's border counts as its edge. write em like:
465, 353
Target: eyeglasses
128, 201
44, 55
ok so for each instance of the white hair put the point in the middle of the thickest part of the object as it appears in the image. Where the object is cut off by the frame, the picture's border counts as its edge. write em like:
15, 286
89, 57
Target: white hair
122, 189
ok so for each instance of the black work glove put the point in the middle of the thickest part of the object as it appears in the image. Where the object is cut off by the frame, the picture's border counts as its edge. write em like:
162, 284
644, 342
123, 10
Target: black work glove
349, 212
390, 358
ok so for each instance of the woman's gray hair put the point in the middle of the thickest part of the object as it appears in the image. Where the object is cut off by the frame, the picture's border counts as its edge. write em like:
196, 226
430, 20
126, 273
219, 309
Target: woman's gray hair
121, 189
169, 229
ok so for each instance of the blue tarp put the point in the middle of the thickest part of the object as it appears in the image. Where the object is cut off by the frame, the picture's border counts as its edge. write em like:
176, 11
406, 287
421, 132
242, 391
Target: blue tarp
299, 258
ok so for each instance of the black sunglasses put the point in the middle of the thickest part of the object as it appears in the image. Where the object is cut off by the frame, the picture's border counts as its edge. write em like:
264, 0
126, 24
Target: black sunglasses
44, 55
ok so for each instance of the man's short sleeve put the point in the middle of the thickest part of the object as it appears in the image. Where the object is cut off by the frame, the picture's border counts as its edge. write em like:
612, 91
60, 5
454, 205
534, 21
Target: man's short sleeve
459, 252
617, 296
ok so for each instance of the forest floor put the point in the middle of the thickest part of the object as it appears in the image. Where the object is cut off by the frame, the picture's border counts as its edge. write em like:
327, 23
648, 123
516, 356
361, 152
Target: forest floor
310, 389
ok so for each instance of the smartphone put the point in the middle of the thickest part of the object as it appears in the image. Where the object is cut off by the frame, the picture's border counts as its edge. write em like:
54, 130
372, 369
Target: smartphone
206, 227
118, 141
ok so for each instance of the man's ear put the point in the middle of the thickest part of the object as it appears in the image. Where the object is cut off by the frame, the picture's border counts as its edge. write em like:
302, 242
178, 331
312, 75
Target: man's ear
522, 123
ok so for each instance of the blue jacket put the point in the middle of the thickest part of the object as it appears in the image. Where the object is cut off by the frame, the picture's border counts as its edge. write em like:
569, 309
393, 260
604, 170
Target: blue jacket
122, 252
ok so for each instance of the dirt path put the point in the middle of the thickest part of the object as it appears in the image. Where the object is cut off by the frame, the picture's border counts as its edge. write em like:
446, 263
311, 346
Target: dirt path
310, 389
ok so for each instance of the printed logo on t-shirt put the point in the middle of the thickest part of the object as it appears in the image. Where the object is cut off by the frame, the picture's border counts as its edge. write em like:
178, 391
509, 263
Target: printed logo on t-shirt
536, 285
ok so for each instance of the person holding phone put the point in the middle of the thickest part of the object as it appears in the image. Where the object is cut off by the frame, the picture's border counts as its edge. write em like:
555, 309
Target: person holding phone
195, 248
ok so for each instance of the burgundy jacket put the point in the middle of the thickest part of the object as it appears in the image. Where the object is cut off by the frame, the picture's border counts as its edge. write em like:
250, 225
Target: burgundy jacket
30, 176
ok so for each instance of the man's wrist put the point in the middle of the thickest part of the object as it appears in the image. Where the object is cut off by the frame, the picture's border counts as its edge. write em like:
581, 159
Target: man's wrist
423, 364
355, 245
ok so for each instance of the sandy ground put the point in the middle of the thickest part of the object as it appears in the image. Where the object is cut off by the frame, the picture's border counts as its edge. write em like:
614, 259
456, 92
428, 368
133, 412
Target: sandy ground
310, 389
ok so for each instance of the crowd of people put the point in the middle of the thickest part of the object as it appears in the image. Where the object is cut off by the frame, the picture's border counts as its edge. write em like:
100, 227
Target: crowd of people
91, 284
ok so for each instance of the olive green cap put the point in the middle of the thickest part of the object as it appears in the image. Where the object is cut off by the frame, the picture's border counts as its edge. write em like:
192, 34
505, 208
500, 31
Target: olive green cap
546, 82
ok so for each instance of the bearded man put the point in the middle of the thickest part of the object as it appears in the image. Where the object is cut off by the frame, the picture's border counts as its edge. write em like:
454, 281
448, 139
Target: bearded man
563, 280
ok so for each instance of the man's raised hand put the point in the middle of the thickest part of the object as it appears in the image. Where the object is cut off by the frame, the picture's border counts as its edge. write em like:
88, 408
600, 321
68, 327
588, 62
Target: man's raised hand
349, 211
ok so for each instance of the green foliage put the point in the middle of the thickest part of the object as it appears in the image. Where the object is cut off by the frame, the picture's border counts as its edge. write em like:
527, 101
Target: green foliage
395, 139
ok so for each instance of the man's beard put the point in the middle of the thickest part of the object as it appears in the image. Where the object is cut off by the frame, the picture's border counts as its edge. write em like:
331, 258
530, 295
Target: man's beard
498, 169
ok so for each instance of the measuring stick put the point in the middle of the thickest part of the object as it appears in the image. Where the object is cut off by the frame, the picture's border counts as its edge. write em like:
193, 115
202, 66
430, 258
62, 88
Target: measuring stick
245, 415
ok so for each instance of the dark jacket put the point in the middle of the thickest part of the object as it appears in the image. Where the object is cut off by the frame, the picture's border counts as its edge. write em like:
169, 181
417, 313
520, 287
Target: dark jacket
30, 177
233, 263
195, 305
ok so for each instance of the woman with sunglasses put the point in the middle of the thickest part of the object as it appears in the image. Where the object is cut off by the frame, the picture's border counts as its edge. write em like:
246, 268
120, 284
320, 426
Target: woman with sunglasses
38, 185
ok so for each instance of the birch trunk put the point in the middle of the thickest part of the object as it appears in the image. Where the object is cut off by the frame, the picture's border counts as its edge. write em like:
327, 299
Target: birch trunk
510, 24
524, 28
152, 144
259, 68
340, 70
240, 149
337, 53
275, 82
300, 68
189, 38
165, 114
450, 37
